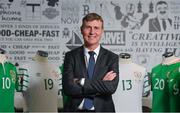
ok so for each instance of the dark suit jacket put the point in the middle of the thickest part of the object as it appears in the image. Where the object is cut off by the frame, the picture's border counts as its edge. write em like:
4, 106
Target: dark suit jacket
154, 25
97, 89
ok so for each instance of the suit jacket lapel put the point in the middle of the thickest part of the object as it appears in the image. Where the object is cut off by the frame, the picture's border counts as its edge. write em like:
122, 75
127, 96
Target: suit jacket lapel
82, 63
99, 61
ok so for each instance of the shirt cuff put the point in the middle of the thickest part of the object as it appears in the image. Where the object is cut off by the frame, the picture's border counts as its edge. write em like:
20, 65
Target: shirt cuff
82, 81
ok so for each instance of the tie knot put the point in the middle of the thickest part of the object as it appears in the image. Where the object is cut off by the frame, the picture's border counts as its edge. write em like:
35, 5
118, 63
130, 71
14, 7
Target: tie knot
91, 53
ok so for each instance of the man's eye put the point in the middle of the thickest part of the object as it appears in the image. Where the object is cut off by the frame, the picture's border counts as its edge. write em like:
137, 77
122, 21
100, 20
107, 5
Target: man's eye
96, 28
87, 27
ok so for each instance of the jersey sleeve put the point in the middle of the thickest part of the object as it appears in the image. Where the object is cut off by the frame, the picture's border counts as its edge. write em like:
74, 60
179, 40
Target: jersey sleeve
23, 78
146, 85
58, 75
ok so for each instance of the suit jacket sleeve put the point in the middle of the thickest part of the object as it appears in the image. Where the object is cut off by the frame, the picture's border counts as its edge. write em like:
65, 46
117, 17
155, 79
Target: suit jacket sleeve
70, 88
96, 86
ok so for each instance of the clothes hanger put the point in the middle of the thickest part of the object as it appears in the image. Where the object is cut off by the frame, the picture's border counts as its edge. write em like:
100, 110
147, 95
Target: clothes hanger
168, 54
42, 53
125, 55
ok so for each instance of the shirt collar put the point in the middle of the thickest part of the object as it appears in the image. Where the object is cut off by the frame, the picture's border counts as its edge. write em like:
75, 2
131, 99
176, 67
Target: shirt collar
86, 50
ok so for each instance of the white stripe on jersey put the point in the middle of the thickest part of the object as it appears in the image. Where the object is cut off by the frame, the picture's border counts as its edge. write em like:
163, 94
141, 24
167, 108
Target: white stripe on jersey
146, 86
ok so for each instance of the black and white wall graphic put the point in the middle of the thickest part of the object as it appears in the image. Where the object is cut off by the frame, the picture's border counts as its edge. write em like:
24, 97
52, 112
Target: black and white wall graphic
143, 28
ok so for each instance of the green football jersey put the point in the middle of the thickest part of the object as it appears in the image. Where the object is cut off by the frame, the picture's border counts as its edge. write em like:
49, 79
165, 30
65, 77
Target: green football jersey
160, 90
8, 83
166, 88
174, 87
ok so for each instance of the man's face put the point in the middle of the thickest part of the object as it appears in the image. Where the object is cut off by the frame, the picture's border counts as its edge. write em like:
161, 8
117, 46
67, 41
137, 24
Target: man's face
162, 11
92, 32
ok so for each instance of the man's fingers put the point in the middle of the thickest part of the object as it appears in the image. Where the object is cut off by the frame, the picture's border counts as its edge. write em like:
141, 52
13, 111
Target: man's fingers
109, 76
110, 72
75, 80
112, 76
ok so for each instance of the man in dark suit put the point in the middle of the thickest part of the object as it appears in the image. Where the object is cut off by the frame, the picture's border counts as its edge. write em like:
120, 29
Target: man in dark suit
76, 81
161, 22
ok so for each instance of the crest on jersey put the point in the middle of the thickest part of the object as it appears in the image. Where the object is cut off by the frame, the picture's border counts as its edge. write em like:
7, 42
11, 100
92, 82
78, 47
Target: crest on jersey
153, 75
38, 74
168, 74
138, 76
55, 74
13, 75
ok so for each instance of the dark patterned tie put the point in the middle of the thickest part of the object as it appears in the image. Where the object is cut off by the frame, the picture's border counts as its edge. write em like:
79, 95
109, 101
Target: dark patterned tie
88, 103
164, 24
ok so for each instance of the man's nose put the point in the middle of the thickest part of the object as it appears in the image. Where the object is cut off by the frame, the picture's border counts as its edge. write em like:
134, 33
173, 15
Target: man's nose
92, 30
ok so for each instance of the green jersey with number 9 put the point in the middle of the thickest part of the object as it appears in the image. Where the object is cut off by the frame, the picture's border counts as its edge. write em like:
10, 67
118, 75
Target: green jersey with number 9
8, 83
174, 88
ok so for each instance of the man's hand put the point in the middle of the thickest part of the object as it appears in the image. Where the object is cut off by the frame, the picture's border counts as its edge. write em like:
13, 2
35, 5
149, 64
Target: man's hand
76, 80
79, 81
109, 76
